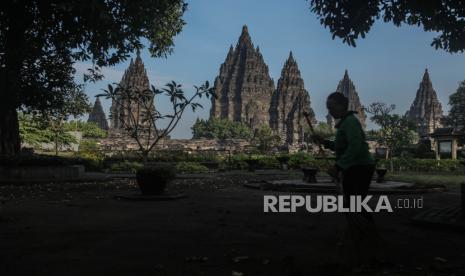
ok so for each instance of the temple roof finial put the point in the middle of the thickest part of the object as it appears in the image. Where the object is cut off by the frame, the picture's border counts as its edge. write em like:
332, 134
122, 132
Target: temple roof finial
291, 57
245, 39
426, 75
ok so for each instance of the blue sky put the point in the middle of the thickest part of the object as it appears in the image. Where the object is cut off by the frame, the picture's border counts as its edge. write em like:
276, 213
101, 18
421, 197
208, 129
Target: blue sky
386, 66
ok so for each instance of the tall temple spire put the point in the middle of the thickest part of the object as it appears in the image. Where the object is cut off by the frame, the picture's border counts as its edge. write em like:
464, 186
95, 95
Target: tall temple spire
347, 88
135, 77
97, 115
289, 103
426, 76
244, 38
243, 86
290, 56
426, 110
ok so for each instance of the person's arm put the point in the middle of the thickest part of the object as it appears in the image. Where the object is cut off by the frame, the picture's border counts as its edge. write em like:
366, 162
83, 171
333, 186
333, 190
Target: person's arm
353, 131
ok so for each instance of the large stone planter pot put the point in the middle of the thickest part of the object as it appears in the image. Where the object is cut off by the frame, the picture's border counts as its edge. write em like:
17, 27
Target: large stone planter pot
283, 161
253, 164
153, 180
381, 173
310, 174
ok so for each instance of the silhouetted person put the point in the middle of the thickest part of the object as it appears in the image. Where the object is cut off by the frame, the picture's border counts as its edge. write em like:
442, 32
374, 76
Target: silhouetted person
354, 169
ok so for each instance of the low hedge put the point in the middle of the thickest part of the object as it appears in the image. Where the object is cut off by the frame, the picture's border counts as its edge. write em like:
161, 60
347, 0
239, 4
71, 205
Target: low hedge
126, 166
191, 167
424, 165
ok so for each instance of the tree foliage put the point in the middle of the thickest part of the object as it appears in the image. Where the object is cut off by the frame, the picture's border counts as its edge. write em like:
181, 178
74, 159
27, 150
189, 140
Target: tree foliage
350, 20
76, 104
221, 129
323, 130
395, 131
88, 129
144, 119
266, 140
40, 41
35, 132
456, 116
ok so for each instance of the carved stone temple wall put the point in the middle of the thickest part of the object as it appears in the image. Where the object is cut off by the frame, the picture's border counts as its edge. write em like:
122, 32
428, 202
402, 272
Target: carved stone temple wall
426, 110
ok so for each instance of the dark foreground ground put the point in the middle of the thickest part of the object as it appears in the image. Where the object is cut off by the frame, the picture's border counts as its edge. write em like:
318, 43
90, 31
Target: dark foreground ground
219, 229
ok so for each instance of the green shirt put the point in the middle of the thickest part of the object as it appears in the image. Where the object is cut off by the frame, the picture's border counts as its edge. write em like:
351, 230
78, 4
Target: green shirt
350, 144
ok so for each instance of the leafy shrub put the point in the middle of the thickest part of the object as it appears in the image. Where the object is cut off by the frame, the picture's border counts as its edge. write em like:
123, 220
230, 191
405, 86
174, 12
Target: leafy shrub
168, 156
268, 162
205, 156
88, 129
124, 156
221, 129
300, 159
424, 165
92, 161
37, 160
90, 154
126, 166
191, 167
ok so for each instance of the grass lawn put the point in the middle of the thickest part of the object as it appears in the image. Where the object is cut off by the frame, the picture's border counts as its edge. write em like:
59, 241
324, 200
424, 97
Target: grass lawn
448, 180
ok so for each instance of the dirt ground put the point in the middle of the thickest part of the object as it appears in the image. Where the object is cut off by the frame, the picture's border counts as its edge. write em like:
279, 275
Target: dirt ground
218, 229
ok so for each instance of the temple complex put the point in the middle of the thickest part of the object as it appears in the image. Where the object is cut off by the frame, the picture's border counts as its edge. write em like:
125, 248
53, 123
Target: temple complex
97, 115
135, 77
246, 92
244, 87
347, 87
289, 103
426, 110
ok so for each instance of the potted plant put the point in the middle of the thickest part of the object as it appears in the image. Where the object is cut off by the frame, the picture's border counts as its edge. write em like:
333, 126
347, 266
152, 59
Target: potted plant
252, 164
381, 173
283, 161
309, 174
153, 180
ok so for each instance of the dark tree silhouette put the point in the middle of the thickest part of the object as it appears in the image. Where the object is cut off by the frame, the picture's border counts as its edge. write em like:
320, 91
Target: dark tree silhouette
41, 40
351, 19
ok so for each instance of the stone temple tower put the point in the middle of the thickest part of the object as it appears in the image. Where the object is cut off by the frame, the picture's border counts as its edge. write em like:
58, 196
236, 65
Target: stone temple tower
243, 87
289, 103
97, 115
347, 87
426, 110
135, 77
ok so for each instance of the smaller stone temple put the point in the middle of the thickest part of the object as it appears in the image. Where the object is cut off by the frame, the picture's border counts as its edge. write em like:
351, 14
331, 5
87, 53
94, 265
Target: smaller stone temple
289, 103
135, 77
347, 87
97, 115
426, 110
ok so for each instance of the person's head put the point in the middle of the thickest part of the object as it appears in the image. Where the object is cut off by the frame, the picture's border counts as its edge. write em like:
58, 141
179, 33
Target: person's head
337, 104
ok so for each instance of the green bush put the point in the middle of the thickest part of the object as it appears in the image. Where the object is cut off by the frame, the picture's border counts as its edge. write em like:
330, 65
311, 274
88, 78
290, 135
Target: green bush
424, 165
191, 167
299, 159
302, 159
90, 154
126, 166
133, 156
37, 160
205, 156
92, 161
168, 156
268, 162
